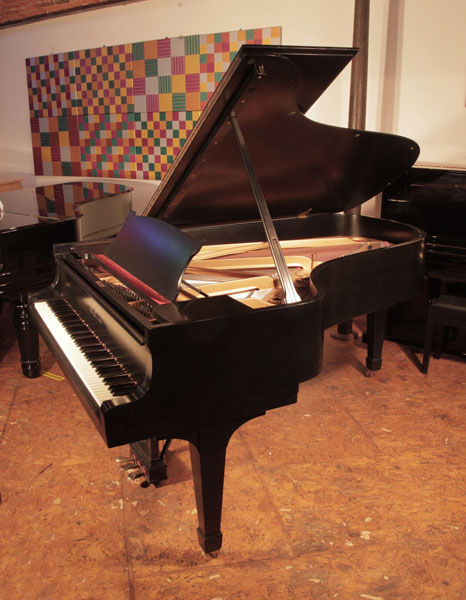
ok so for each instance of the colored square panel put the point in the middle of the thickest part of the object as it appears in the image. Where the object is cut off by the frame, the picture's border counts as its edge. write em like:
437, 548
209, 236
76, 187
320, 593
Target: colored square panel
177, 46
193, 82
151, 67
152, 103
139, 86
165, 85
158, 76
158, 138
139, 68
152, 85
179, 101
55, 146
164, 48
178, 84
140, 103
50, 85
193, 101
137, 50
165, 102
150, 49
107, 145
191, 45
177, 65
104, 80
164, 67
191, 64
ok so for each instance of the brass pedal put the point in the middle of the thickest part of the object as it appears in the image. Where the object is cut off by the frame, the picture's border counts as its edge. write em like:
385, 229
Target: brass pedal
129, 466
123, 459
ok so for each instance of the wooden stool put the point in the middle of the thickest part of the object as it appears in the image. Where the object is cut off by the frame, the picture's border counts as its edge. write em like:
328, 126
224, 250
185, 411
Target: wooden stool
447, 311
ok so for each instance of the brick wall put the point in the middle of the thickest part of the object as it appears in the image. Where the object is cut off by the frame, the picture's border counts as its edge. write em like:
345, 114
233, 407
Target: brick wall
19, 12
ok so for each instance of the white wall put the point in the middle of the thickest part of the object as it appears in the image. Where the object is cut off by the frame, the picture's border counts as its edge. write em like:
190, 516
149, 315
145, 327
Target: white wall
417, 78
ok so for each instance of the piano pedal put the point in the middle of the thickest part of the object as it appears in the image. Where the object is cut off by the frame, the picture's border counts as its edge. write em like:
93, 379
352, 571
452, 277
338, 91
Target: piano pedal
123, 459
129, 466
135, 475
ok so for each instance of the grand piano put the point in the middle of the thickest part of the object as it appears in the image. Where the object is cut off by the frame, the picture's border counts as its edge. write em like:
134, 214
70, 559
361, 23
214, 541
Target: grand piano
32, 220
433, 198
210, 309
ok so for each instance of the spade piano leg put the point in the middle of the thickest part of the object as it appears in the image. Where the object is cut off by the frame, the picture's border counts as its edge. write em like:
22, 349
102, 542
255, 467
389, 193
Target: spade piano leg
208, 474
376, 323
208, 452
28, 337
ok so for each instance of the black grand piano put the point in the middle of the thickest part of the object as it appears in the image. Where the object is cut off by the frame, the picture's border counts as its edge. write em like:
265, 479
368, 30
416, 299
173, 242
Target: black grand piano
32, 220
210, 309
432, 198
27, 235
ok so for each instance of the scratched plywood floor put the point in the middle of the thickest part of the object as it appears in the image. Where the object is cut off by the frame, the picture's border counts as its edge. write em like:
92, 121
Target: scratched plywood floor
358, 491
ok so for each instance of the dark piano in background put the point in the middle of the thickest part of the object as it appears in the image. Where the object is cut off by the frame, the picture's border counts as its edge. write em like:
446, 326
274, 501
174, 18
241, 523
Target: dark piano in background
433, 199
200, 315
32, 220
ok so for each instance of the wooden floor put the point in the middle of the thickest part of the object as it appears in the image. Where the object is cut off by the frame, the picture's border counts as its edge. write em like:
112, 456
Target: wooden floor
358, 491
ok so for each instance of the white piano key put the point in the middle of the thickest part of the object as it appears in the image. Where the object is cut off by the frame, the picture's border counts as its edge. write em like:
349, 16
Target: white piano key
84, 370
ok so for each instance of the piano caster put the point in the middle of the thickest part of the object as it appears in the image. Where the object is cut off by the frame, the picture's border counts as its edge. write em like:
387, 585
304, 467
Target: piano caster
31, 368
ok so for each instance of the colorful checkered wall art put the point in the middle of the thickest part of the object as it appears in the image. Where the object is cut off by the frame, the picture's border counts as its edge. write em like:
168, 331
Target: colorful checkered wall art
126, 110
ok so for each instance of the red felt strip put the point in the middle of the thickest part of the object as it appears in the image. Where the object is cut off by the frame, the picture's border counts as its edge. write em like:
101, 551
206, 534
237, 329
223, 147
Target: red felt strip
132, 280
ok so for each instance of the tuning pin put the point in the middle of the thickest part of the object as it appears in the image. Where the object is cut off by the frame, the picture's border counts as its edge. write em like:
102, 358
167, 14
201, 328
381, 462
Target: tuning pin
128, 466
135, 475
123, 459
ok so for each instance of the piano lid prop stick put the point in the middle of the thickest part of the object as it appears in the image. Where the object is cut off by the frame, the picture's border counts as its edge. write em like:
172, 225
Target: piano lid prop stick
291, 295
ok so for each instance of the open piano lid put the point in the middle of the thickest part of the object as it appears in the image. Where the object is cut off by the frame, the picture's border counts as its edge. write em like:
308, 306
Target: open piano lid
302, 166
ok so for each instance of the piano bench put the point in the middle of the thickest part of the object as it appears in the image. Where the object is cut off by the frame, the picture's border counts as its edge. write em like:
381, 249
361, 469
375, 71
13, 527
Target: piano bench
447, 311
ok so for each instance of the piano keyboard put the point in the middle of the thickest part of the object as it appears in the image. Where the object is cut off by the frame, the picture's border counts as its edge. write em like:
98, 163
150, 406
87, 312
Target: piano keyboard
100, 372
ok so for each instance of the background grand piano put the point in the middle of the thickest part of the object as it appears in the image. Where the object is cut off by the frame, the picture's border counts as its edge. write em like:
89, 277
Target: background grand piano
433, 199
150, 352
32, 220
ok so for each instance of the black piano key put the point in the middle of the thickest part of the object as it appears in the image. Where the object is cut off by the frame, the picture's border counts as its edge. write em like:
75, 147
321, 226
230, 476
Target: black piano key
120, 390
89, 345
109, 369
105, 364
113, 379
104, 360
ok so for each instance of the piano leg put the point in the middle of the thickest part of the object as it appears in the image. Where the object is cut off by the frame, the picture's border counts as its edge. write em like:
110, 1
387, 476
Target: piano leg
208, 452
376, 323
208, 475
28, 337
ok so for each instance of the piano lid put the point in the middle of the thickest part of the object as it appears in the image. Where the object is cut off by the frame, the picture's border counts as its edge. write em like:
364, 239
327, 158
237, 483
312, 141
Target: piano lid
301, 165
56, 201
